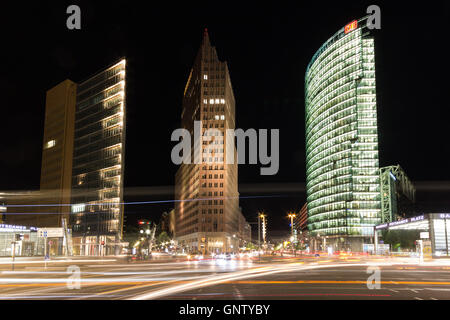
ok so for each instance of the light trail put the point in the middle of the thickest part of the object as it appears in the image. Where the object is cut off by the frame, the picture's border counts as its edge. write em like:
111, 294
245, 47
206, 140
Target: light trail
52, 261
125, 273
128, 203
6, 281
252, 274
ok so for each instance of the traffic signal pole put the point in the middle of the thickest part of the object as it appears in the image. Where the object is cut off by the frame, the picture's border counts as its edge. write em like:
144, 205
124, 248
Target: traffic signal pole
13, 254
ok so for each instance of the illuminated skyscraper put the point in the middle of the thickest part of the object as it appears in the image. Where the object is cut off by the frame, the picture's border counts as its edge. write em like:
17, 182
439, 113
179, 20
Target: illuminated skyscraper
98, 162
208, 217
342, 169
82, 164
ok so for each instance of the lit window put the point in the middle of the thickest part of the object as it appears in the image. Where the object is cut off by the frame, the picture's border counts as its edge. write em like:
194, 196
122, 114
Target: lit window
78, 208
211, 101
222, 117
50, 144
205, 101
222, 101
217, 101
216, 117
205, 76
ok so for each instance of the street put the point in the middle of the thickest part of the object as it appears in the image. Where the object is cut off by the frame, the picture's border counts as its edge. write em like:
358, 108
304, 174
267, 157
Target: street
306, 277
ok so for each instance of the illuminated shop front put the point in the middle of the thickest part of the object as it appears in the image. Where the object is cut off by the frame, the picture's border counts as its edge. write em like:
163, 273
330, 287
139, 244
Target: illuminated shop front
435, 225
27, 242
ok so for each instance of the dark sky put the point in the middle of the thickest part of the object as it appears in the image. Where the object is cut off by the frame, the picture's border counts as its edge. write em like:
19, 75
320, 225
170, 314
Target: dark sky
267, 47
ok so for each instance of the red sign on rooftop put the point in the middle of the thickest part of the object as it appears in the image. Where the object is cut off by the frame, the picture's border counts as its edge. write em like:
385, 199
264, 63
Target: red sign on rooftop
351, 26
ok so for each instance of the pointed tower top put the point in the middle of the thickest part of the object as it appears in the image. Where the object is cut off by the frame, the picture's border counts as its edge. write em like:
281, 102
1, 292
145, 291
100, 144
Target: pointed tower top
206, 36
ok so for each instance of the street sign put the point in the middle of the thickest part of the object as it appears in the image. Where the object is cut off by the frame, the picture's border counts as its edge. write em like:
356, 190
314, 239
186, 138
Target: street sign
427, 249
51, 232
424, 235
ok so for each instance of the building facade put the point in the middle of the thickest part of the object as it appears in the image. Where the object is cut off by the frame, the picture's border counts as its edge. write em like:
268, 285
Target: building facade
98, 163
82, 166
301, 219
207, 214
57, 153
47, 207
167, 222
342, 169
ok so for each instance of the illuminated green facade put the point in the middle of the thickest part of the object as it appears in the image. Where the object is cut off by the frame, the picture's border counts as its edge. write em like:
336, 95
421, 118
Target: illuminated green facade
342, 170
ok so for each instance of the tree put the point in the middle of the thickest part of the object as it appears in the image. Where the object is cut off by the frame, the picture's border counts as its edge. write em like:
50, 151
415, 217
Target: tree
251, 246
163, 237
400, 239
300, 246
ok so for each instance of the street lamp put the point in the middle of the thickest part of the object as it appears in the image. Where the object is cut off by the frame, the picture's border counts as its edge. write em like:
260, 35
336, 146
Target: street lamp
291, 215
260, 216
263, 217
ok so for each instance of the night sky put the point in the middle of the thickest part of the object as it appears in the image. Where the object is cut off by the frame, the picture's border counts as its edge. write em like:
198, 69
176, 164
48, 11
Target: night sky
267, 47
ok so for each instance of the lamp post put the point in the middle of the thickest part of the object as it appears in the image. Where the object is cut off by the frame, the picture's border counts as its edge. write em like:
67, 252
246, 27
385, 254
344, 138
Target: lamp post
259, 238
263, 217
292, 216
147, 232
318, 239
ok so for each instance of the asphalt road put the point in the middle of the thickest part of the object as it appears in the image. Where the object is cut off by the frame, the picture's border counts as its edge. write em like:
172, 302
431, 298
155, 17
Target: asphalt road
273, 278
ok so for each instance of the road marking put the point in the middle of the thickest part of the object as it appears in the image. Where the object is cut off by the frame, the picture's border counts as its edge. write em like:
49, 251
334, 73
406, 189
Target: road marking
335, 282
433, 298
438, 289
239, 295
146, 282
125, 289
418, 298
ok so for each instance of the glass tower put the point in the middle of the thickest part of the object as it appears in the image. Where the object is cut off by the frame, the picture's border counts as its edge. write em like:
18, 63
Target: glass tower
342, 169
98, 156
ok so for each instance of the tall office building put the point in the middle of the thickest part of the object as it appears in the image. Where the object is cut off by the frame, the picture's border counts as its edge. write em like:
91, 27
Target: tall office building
82, 164
342, 169
98, 162
207, 216
56, 171
46, 207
